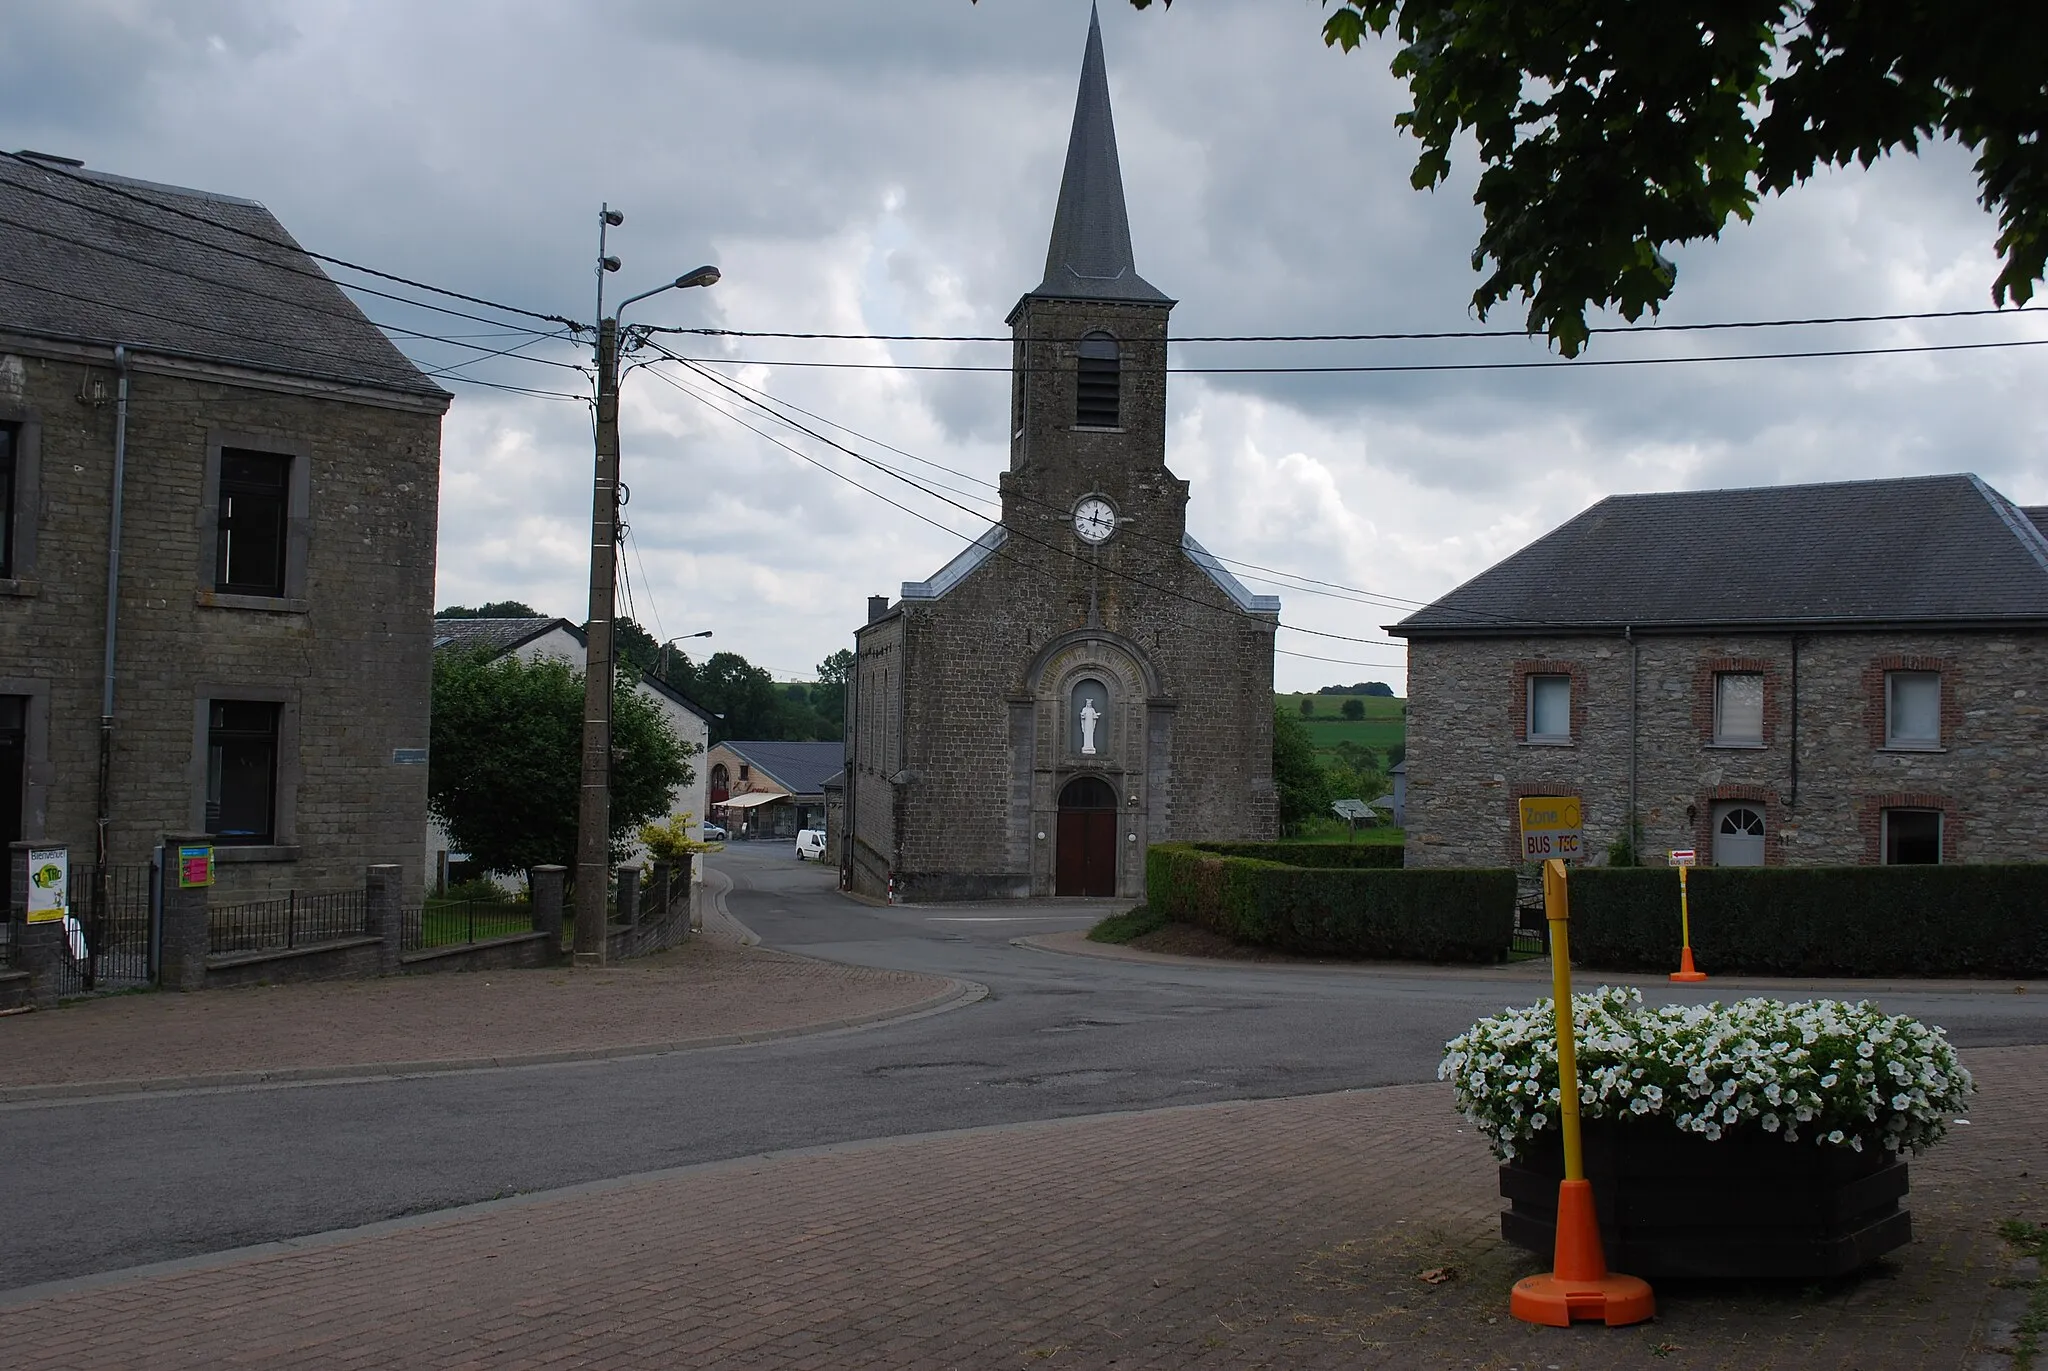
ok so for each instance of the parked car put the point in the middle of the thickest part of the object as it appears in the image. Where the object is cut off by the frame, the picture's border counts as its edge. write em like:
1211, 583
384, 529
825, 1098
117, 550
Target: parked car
714, 833
810, 844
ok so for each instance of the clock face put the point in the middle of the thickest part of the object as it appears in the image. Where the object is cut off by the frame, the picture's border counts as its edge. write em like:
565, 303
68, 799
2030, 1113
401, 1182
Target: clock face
1094, 519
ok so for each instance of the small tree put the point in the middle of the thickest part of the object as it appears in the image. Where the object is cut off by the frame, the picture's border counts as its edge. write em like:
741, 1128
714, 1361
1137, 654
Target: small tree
1308, 706
1354, 708
504, 769
1297, 779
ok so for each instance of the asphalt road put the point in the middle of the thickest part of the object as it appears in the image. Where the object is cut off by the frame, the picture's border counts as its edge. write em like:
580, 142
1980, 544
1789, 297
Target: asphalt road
102, 1184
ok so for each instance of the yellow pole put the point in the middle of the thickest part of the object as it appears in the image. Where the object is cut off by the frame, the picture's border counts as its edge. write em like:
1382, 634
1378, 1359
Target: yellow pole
1557, 911
1684, 915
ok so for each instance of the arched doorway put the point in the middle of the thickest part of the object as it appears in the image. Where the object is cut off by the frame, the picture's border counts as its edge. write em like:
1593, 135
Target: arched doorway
1086, 854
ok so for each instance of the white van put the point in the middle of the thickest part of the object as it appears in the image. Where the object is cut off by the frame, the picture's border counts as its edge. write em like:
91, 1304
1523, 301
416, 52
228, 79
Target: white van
810, 844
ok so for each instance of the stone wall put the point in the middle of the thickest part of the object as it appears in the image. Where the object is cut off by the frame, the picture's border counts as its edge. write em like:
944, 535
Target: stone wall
1822, 775
346, 653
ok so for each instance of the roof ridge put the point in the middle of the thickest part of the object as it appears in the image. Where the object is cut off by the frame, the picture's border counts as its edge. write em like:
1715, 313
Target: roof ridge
2030, 537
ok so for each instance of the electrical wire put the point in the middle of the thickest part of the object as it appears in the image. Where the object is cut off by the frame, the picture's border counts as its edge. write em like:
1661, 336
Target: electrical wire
713, 405
1388, 368
1815, 321
1271, 575
1017, 532
103, 186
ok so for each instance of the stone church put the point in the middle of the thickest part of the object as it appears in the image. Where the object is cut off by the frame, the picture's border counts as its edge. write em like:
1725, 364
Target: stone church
1084, 679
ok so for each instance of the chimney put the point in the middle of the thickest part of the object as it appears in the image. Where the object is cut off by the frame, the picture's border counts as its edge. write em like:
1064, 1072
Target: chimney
878, 605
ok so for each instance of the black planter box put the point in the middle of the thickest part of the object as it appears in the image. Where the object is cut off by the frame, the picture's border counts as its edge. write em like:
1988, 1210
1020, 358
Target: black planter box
1672, 1204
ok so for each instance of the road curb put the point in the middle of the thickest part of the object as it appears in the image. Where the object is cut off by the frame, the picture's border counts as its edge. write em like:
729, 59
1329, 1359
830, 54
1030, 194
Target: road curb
1536, 972
958, 994
718, 885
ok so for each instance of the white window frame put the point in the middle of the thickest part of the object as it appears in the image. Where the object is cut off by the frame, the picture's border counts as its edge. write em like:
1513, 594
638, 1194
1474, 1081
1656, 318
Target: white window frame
1893, 739
1722, 738
1529, 720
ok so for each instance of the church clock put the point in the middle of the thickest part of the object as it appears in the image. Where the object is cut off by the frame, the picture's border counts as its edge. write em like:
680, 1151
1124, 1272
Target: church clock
1094, 519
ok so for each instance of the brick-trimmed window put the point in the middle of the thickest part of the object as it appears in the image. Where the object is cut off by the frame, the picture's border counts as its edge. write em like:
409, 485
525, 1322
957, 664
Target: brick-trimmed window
1874, 818
1760, 796
1557, 678
1900, 693
1739, 691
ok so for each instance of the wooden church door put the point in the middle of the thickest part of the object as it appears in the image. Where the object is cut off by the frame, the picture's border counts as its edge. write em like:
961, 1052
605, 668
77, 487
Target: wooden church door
1086, 852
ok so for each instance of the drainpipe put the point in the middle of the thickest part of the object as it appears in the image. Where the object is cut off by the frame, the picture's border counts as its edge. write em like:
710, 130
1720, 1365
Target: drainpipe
1635, 840
104, 812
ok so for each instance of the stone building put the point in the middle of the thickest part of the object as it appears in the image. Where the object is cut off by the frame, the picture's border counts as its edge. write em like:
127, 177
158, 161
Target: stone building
220, 488
1083, 680
1801, 675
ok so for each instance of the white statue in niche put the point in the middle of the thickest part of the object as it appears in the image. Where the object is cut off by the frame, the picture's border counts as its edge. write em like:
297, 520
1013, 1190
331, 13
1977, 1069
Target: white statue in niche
1089, 714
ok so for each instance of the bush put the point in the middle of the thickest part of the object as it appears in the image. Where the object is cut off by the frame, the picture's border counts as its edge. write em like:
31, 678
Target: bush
1132, 923
1321, 855
1433, 916
1819, 921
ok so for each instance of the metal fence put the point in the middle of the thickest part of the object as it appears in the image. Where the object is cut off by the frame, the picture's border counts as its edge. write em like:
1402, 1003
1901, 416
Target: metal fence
109, 934
452, 923
298, 919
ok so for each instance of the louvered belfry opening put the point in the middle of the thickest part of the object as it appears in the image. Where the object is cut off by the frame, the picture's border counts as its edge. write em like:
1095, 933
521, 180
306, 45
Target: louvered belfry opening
1099, 383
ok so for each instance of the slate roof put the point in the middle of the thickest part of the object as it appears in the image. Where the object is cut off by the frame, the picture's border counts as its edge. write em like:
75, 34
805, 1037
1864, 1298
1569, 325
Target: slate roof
499, 636
91, 258
496, 635
799, 768
1089, 257
1917, 550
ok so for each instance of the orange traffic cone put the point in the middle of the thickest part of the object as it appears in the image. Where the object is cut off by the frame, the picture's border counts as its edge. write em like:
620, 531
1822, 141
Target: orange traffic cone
1580, 1287
1686, 970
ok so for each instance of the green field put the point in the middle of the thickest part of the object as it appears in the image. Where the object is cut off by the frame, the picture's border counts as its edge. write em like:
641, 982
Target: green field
1385, 723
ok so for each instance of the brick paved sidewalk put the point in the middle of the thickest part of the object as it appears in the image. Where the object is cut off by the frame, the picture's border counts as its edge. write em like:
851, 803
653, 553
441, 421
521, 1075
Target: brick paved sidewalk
708, 989
1288, 1233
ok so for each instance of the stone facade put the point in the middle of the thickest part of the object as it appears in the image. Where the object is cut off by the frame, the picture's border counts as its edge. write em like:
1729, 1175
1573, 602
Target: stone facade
1822, 776
345, 652
962, 712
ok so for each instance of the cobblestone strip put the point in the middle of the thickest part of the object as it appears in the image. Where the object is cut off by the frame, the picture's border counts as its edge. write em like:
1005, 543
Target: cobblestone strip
1277, 1233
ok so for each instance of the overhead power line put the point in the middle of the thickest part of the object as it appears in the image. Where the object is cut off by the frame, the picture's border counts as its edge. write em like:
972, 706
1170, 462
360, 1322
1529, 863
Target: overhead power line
1641, 329
1014, 532
1396, 367
1035, 569
105, 187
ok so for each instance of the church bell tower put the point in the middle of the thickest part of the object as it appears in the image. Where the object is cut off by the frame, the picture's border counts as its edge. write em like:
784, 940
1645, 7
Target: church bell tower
1088, 384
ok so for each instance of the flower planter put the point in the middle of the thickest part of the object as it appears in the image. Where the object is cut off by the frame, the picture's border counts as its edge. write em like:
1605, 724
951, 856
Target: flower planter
1673, 1204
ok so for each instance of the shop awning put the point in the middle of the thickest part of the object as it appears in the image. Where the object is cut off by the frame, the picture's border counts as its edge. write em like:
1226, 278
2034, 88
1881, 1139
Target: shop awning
752, 798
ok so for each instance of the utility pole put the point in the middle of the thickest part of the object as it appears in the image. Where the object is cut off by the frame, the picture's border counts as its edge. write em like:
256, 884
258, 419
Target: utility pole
594, 810
594, 802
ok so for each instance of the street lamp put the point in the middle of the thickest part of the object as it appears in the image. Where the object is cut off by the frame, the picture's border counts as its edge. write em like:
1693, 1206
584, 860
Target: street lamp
672, 642
594, 810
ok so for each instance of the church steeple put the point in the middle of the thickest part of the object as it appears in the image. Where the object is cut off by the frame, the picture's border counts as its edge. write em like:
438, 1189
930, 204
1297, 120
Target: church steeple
1089, 257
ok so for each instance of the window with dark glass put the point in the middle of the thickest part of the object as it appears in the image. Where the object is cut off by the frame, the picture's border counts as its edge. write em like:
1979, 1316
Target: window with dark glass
13, 765
255, 498
7, 445
241, 771
1099, 381
1912, 837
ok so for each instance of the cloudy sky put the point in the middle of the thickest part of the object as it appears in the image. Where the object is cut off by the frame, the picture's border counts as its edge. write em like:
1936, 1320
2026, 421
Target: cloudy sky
890, 167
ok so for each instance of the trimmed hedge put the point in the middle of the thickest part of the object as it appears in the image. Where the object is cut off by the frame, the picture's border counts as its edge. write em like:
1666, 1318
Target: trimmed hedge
1394, 915
1352, 856
1962, 920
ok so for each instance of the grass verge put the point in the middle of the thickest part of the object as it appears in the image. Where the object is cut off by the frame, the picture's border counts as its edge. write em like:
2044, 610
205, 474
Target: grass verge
1121, 928
2031, 1239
